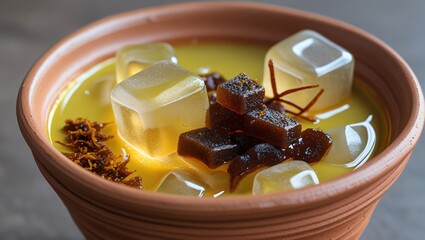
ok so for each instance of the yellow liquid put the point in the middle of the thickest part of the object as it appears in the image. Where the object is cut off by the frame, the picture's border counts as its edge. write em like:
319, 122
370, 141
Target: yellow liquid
88, 97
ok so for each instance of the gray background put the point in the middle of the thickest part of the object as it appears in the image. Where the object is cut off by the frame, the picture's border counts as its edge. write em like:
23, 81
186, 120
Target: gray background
29, 209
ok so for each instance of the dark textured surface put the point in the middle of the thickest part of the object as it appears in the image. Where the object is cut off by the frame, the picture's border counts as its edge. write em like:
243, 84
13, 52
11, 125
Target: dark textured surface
240, 94
29, 209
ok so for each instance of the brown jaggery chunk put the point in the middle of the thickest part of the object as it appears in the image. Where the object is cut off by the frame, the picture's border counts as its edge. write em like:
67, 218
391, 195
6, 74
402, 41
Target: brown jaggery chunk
244, 141
258, 156
85, 140
312, 146
212, 80
267, 154
213, 147
238, 168
271, 126
219, 117
240, 94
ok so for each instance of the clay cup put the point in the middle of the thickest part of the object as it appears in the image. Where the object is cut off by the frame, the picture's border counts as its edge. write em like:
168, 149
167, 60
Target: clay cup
338, 209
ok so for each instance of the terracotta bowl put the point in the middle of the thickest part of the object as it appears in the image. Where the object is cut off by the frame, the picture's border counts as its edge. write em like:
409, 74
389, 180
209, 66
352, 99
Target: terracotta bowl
338, 209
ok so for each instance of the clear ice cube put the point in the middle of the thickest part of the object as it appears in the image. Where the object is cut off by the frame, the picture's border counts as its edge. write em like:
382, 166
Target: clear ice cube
284, 177
308, 58
134, 58
352, 144
181, 183
153, 107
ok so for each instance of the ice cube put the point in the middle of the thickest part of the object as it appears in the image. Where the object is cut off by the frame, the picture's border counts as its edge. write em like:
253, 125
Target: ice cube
284, 177
134, 58
308, 58
181, 183
153, 107
216, 182
352, 144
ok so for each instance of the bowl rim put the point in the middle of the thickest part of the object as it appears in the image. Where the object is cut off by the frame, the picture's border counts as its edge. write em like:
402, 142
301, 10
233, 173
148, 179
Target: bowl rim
400, 146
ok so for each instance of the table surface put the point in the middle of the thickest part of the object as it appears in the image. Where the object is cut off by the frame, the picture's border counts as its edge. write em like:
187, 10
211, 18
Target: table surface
29, 208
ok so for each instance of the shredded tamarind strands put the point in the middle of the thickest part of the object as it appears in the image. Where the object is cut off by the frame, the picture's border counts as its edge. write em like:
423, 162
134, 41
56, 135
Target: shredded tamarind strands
85, 140
289, 91
272, 77
312, 102
310, 119
278, 96
290, 104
